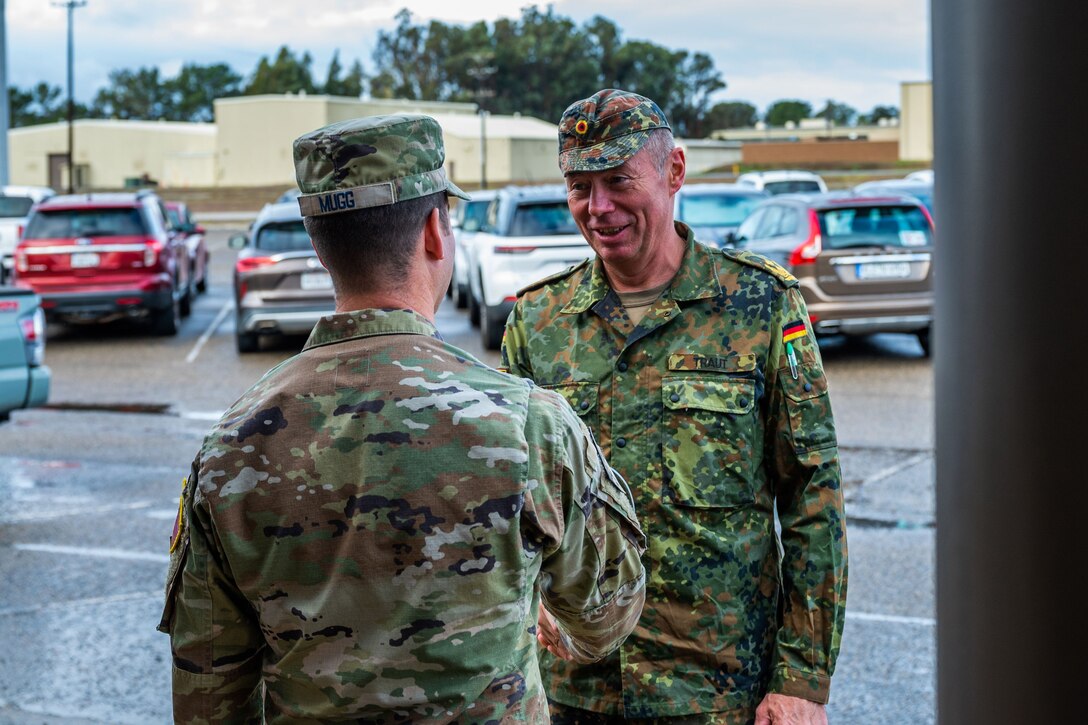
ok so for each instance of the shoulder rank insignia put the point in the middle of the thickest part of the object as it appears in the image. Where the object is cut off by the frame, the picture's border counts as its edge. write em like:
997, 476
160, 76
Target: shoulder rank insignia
760, 262
553, 277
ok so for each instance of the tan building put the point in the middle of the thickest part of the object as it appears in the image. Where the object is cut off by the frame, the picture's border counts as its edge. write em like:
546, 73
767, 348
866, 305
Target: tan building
253, 146
916, 112
250, 145
110, 153
912, 131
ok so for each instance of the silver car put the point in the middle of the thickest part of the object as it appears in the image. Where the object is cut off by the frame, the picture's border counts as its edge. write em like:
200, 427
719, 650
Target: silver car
280, 287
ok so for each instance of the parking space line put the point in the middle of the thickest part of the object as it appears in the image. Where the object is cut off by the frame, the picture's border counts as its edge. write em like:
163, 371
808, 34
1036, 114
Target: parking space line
897, 467
210, 331
89, 601
73, 511
891, 618
94, 551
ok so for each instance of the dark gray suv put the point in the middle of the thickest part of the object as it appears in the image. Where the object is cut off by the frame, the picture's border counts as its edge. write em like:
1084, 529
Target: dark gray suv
280, 286
864, 263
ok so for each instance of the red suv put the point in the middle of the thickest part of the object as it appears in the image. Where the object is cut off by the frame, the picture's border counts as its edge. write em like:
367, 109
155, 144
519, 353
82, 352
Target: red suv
101, 257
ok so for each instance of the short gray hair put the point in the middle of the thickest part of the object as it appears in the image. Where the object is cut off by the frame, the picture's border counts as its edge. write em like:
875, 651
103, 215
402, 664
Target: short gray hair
658, 147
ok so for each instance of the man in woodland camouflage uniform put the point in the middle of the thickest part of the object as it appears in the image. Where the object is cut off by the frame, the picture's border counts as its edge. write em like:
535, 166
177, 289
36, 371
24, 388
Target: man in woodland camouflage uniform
369, 532
698, 373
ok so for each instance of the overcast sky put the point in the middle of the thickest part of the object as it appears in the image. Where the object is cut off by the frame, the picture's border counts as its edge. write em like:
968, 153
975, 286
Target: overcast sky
853, 51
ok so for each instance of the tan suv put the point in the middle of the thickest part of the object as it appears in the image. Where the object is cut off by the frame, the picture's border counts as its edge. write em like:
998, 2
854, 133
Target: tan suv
864, 263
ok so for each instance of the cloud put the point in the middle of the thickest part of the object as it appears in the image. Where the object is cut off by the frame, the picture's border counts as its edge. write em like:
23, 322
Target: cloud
855, 51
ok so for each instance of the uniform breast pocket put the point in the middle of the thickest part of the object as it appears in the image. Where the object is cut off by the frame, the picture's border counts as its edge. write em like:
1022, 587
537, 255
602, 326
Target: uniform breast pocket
583, 398
708, 447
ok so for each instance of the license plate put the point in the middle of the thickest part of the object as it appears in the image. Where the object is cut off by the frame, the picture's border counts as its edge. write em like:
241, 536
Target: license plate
315, 281
883, 270
82, 260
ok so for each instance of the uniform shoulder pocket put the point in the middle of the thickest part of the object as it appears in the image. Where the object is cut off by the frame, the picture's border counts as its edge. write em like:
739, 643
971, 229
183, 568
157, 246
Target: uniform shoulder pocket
809, 407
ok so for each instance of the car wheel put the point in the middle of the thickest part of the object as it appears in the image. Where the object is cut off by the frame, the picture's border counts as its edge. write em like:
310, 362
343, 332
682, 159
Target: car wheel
167, 321
924, 340
473, 310
460, 295
247, 341
491, 329
202, 283
185, 304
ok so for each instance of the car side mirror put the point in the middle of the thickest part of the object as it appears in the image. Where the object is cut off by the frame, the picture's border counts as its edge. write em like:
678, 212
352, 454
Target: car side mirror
237, 241
470, 225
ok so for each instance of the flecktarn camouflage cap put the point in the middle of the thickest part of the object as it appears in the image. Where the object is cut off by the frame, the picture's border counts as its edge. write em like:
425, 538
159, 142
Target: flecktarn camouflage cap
606, 129
371, 161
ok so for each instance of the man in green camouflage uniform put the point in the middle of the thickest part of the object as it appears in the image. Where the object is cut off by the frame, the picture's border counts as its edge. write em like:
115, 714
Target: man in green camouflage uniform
698, 373
369, 532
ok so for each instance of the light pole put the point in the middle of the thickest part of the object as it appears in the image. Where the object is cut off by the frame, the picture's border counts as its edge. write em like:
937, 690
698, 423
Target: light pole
482, 73
5, 111
70, 5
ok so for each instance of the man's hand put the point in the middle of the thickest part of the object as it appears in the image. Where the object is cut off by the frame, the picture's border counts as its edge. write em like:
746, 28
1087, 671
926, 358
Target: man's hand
785, 710
547, 633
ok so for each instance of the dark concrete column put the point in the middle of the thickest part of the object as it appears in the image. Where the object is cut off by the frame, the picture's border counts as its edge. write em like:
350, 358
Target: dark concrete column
1011, 147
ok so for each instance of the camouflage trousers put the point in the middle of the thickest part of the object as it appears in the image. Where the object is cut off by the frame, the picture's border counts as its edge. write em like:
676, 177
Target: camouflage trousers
566, 715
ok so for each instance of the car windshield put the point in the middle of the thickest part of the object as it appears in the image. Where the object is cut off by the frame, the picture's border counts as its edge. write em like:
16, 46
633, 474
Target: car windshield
15, 206
714, 210
65, 223
289, 236
474, 215
537, 220
794, 186
924, 196
886, 226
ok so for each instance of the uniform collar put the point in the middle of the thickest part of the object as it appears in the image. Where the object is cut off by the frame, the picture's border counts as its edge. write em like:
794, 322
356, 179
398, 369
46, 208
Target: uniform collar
696, 279
343, 326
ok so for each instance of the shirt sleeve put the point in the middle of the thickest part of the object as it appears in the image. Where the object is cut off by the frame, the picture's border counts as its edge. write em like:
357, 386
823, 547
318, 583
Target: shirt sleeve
514, 353
807, 482
215, 641
592, 580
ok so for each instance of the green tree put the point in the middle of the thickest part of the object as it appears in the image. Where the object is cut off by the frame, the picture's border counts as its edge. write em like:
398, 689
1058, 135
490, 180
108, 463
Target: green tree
41, 103
350, 85
543, 64
878, 114
607, 40
731, 114
698, 80
285, 74
781, 112
653, 71
193, 91
838, 113
411, 60
139, 94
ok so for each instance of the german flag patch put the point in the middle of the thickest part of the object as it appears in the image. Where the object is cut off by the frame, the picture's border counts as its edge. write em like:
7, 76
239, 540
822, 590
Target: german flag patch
793, 331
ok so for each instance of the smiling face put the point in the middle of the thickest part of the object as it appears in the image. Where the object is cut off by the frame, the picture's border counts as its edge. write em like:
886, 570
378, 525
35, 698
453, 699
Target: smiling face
626, 212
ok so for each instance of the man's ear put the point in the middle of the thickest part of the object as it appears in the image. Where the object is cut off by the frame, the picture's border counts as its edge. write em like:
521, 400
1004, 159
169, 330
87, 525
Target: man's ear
677, 169
434, 232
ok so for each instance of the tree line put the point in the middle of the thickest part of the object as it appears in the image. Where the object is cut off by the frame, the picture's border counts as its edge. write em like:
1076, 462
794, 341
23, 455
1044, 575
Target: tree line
535, 65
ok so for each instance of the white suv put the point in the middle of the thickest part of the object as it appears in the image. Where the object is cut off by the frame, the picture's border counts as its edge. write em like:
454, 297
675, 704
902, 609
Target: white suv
528, 234
784, 181
467, 218
15, 205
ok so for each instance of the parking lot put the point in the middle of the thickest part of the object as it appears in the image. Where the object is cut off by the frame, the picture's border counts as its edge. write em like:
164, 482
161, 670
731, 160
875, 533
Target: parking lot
89, 486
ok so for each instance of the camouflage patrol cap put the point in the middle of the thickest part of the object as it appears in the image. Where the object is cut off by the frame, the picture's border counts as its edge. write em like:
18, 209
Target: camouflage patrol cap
371, 161
606, 129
